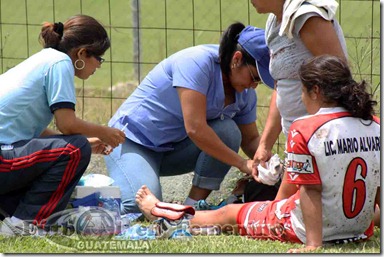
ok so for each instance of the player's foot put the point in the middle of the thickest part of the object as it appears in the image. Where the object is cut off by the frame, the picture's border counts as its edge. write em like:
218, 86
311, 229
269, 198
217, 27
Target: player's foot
145, 200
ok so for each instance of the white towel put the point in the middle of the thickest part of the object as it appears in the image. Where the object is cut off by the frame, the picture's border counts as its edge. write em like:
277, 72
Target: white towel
272, 173
294, 8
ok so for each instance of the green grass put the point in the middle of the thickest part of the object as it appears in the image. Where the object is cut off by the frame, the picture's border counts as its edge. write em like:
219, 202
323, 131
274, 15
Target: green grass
198, 244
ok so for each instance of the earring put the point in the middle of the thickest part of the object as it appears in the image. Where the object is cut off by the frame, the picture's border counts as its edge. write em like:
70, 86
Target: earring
77, 62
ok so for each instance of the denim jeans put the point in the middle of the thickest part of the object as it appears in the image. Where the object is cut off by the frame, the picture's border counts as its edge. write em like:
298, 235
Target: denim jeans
132, 165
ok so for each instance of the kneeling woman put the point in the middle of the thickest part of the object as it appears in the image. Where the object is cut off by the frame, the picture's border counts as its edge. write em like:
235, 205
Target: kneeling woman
192, 112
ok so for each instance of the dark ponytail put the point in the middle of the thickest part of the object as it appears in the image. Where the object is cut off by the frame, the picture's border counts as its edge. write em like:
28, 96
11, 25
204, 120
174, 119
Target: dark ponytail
229, 44
77, 32
51, 34
334, 78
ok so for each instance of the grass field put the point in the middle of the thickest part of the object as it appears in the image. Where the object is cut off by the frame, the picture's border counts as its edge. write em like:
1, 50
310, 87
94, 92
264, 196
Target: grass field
197, 244
165, 27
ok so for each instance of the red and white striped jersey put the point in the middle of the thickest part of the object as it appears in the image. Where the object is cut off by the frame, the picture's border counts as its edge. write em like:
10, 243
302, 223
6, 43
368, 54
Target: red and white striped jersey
342, 153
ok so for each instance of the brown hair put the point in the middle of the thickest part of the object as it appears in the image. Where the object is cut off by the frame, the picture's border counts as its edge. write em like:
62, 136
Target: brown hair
77, 32
334, 78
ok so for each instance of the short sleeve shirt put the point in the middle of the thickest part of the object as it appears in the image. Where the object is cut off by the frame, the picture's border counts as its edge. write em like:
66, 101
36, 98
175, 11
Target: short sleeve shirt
29, 90
341, 153
153, 111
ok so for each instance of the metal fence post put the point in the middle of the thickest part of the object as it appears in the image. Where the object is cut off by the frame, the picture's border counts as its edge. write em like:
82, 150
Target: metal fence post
135, 8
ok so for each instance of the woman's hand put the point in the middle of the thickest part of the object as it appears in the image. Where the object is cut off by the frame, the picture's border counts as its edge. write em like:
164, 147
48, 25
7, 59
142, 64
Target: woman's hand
112, 136
246, 167
68, 124
262, 155
307, 248
98, 147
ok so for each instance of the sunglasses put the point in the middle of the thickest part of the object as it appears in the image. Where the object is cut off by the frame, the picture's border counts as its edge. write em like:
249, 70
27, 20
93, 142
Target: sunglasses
99, 59
254, 79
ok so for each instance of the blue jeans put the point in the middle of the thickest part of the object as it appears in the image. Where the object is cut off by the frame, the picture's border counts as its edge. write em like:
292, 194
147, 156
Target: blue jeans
132, 165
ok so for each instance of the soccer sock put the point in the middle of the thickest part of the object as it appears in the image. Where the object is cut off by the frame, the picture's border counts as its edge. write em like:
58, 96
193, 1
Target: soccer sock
190, 201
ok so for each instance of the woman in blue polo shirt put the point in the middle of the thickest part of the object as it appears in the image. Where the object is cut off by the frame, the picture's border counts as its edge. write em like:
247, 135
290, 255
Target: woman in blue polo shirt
192, 112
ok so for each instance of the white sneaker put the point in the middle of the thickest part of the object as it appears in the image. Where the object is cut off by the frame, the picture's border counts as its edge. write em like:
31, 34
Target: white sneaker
19, 228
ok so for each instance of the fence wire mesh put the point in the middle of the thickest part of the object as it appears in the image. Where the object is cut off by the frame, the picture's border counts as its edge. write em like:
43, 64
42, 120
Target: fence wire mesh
143, 32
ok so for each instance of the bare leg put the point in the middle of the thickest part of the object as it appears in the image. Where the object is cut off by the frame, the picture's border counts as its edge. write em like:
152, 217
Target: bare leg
145, 200
224, 217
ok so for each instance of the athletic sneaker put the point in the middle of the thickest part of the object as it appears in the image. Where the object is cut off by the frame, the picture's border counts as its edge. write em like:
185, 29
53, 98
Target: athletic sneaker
20, 228
203, 205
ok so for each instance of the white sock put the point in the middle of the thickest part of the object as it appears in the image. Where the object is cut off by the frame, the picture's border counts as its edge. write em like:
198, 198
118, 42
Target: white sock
190, 201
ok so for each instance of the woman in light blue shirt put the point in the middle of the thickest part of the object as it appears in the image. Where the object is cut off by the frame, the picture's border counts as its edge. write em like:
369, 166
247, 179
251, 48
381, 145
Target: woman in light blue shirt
40, 167
192, 112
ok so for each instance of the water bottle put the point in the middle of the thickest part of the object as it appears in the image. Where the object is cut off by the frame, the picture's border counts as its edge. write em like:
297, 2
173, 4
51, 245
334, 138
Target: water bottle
113, 206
